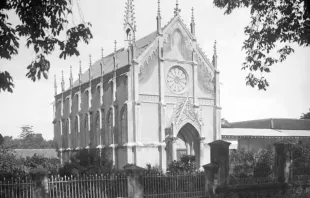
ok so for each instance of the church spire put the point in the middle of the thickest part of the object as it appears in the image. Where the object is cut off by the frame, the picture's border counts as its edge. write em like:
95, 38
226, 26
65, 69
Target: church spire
214, 61
193, 23
177, 10
71, 77
62, 81
159, 30
55, 85
129, 23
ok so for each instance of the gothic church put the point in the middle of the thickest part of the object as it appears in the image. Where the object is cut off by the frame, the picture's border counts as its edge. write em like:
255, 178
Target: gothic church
145, 102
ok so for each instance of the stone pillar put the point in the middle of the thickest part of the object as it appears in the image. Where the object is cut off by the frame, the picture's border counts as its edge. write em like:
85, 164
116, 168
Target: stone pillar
195, 80
283, 161
174, 148
163, 156
220, 156
135, 187
61, 150
212, 171
40, 178
201, 151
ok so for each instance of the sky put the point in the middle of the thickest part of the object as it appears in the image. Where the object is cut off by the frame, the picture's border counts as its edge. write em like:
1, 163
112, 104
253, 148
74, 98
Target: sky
287, 97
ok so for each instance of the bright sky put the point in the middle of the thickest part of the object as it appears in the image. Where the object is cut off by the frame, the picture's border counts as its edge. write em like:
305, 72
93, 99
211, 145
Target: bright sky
287, 97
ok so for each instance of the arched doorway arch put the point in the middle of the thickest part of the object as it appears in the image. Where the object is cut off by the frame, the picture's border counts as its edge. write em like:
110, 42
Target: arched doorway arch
190, 136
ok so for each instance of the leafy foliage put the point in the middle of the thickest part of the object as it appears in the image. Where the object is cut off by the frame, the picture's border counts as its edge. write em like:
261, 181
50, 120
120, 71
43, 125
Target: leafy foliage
272, 23
12, 166
42, 23
245, 163
87, 162
185, 165
305, 115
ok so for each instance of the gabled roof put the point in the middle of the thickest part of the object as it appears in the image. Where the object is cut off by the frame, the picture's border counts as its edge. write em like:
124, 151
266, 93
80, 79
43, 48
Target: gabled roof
273, 123
142, 45
122, 59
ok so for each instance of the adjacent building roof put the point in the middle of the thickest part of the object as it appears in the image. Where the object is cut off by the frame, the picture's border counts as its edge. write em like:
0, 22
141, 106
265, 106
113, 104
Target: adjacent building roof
273, 127
273, 123
49, 153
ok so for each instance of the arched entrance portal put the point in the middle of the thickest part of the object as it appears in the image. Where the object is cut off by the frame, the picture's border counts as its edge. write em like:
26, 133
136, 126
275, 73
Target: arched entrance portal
187, 141
190, 136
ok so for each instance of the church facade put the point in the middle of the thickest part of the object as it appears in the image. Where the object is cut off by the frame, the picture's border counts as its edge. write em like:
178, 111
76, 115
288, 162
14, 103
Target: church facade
145, 102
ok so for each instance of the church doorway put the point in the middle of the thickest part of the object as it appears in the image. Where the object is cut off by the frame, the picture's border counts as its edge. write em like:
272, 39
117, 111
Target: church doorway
187, 142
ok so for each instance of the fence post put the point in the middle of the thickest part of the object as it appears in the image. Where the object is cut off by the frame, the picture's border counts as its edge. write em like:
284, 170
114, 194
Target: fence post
40, 178
212, 170
283, 161
220, 156
134, 179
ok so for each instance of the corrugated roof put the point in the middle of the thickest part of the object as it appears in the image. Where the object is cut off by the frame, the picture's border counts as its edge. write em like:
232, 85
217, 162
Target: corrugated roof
122, 59
274, 123
251, 132
264, 132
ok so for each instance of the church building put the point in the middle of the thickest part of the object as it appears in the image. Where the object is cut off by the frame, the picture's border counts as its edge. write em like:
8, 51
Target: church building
144, 103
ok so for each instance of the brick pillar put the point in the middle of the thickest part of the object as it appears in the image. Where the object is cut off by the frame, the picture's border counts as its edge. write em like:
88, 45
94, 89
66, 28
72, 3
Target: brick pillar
220, 156
212, 171
40, 178
283, 161
135, 187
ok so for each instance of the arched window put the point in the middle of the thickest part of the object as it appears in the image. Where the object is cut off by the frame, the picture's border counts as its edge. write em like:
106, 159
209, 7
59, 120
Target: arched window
102, 126
65, 139
97, 128
76, 132
110, 127
87, 99
86, 131
123, 127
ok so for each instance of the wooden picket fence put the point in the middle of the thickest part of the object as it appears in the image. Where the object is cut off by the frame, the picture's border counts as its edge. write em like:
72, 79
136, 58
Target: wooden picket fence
69, 187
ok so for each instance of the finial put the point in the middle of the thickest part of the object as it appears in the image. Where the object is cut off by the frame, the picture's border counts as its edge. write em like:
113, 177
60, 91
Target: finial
71, 71
71, 77
158, 10
62, 81
102, 53
177, 10
115, 45
89, 60
129, 13
55, 84
80, 72
214, 48
193, 19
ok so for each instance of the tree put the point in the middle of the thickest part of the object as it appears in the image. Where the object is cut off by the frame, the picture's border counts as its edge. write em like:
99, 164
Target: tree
42, 23
305, 115
26, 130
274, 26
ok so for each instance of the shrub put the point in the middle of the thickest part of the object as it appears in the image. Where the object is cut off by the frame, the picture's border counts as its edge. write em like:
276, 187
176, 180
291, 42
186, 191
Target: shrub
185, 165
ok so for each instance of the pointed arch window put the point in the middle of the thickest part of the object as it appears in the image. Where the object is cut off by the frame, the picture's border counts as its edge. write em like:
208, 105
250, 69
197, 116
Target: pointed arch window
102, 126
97, 128
110, 127
86, 131
123, 127
76, 132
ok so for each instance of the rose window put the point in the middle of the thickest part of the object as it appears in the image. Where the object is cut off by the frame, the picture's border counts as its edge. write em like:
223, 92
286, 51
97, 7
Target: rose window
177, 79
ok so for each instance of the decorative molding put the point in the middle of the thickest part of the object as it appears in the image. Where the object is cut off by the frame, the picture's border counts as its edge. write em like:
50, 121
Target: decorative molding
205, 102
185, 112
149, 98
176, 99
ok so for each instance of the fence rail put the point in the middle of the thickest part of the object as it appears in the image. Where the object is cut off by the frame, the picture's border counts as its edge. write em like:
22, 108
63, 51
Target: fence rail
174, 185
111, 186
